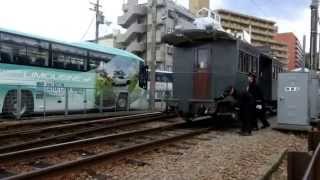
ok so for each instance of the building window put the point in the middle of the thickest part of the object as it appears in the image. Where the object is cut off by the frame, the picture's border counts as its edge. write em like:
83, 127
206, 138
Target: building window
139, 20
169, 50
170, 30
171, 14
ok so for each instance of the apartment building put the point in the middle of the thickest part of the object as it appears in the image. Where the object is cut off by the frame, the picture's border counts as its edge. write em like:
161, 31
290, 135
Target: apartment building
196, 5
295, 52
136, 19
262, 31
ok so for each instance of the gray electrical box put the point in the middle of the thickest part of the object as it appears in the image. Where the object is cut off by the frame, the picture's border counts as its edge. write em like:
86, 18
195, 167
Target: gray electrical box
298, 100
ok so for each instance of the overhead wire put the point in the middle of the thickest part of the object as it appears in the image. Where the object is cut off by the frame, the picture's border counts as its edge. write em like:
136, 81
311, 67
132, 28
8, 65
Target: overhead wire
85, 34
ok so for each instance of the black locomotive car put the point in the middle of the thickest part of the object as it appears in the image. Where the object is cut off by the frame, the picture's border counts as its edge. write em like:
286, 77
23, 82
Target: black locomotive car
207, 62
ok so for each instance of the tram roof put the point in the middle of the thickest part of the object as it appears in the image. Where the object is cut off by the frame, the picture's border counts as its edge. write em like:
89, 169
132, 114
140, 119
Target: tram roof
105, 49
83, 45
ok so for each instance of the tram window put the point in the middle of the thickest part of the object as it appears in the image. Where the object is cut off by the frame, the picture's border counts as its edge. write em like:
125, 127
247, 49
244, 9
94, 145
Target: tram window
39, 56
68, 49
202, 59
70, 62
19, 54
23, 55
101, 56
5, 57
25, 41
58, 61
93, 64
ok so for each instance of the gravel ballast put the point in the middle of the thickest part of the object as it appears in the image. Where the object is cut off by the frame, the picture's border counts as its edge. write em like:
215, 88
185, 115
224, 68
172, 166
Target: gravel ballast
218, 155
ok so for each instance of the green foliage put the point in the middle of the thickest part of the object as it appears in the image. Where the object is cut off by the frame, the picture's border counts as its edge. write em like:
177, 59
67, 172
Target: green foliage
133, 83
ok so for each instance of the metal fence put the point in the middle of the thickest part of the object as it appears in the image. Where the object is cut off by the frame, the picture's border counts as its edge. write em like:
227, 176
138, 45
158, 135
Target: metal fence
18, 101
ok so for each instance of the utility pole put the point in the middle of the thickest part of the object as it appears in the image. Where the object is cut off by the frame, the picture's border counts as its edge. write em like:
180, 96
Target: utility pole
304, 53
99, 17
153, 54
314, 35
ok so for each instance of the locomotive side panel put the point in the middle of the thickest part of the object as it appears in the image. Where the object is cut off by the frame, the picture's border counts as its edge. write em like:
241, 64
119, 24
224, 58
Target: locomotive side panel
182, 76
224, 66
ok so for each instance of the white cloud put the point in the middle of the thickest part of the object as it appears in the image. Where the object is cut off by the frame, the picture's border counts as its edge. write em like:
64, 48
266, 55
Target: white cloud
59, 19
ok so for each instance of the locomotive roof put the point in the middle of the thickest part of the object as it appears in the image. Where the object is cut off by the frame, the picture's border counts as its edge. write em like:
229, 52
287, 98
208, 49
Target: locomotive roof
194, 36
189, 37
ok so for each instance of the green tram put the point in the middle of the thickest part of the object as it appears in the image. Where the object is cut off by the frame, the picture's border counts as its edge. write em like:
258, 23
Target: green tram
43, 75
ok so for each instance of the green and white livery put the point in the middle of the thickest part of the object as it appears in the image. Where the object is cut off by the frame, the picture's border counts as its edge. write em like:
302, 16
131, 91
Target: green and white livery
39, 74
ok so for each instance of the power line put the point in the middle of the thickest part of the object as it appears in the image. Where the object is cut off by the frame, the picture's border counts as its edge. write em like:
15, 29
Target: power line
85, 34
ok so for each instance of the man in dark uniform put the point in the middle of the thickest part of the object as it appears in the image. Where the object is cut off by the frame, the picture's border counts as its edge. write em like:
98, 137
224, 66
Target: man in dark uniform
258, 110
246, 103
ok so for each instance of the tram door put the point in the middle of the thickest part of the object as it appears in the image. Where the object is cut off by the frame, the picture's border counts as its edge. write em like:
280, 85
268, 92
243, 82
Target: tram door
201, 78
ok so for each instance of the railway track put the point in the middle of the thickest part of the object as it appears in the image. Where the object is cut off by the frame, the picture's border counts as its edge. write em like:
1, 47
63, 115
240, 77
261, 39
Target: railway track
29, 124
20, 140
43, 161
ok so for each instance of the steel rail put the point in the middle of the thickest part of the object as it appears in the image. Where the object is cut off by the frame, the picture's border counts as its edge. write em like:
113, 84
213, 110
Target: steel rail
149, 143
26, 153
65, 137
63, 118
70, 125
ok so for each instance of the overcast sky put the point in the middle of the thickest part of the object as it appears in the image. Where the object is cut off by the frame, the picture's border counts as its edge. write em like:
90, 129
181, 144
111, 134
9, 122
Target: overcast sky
69, 19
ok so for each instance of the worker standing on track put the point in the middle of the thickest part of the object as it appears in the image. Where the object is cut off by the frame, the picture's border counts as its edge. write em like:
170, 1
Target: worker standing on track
258, 110
246, 102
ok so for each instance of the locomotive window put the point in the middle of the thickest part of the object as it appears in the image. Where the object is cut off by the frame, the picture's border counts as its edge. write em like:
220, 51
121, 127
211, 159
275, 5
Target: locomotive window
247, 63
254, 65
202, 59
273, 72
240, 65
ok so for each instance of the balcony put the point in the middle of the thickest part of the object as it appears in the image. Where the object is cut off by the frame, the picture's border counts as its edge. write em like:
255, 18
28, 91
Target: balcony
161, 3
132, 32
131, 15
160, 54
125, 7
283, 56
136, 47
239, 20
